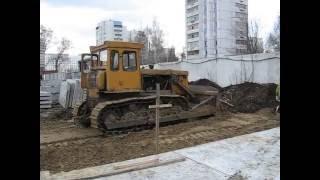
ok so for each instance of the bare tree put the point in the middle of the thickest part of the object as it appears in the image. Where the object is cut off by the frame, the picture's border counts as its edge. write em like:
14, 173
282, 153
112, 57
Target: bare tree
183, 56
45, 36
273, 41
168, 55
254, 43
154, 51
141, 37
157, 49
65, 44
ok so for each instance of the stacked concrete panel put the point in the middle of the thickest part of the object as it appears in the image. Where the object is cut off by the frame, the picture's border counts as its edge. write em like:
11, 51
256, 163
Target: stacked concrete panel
52, 86
71, 93
45, 100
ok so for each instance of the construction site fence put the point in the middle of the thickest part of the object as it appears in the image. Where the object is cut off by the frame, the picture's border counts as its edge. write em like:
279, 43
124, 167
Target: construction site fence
52, 83
229, 70
61, 76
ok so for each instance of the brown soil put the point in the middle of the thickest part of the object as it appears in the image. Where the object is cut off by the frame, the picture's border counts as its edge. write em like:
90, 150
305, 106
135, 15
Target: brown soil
61, 152
206, 82
250, 97
246, 97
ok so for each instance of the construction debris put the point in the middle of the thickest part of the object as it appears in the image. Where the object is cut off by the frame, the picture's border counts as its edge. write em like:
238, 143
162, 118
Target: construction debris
225, 102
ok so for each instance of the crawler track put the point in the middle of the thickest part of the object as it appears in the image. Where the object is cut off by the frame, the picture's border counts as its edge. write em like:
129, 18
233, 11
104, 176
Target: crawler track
131, 113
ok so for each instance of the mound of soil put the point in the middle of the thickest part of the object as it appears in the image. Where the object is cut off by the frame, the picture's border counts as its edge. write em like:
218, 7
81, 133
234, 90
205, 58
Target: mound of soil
205, 82
250, 97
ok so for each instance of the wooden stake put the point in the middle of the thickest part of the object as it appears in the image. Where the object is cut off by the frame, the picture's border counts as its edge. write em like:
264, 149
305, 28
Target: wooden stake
157, 117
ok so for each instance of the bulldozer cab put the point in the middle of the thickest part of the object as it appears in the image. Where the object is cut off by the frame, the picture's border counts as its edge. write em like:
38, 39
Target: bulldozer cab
88, 61
115, 65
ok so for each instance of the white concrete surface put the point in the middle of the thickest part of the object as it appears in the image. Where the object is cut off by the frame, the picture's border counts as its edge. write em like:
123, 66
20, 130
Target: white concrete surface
71, 93
254, 156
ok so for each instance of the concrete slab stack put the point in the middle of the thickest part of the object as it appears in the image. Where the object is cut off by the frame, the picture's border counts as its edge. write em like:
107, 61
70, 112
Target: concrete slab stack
52, 86
64, 94
71, 93
45, 100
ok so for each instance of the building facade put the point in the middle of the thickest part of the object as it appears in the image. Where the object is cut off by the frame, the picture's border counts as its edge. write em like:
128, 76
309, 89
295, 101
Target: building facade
110, 30
216, 28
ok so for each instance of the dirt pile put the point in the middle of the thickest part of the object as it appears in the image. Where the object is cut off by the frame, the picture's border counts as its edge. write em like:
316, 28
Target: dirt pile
205, 82
250, 97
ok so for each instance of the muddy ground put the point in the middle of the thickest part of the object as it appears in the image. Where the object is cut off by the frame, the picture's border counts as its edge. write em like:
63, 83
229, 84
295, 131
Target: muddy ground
65, 147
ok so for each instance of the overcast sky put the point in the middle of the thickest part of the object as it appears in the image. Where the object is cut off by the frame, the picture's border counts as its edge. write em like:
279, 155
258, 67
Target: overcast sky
77, 19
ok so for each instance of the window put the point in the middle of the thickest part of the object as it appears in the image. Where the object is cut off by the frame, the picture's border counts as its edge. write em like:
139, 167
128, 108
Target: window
241, 15
242, 6
117, 34
117, 30
241, 51
103, 55
193, 35
192, 45
117, 26
193, 9
193, 52
129, 61
193, 19
191, 2
114, 60
242, 33
193, 26
120, 39
243, 42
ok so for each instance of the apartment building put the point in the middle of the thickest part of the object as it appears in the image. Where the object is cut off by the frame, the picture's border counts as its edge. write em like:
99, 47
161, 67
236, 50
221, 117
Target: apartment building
110, 30
216, 28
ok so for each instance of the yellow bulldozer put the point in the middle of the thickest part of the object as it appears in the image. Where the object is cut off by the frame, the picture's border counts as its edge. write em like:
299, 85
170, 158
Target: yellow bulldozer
119, 91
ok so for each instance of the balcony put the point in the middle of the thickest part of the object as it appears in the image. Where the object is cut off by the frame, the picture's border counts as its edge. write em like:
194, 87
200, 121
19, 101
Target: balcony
193, 48
190, 5
193, 22
193, 39
193, 13
192, 30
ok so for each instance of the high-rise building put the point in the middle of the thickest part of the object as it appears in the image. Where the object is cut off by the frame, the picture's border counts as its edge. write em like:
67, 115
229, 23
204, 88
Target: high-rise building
216, 27
111, 30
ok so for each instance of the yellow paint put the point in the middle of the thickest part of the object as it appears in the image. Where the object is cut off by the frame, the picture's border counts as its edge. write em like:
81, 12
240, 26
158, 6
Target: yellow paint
101, 80
93, 93
124, 80
84, 80
121, 80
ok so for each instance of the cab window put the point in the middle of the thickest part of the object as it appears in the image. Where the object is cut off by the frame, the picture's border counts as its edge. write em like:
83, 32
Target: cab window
129, 61
103, 56
114, 60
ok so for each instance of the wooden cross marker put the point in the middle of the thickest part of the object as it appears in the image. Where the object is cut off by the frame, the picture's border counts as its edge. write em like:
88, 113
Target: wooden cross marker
157, 107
